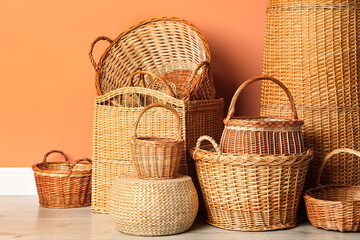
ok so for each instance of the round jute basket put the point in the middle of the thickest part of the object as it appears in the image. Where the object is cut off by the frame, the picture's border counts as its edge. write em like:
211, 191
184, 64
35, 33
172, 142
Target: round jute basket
262, 135
170, 47
157, 157
63, 184
334, 207
250, 192
153, 207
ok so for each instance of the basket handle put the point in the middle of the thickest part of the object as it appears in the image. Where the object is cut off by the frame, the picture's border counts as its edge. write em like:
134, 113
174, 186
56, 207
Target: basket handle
158, 105
231, 111
76, 162
150, 75
55, 151
92, 48
195, 85
327, 157
212, 141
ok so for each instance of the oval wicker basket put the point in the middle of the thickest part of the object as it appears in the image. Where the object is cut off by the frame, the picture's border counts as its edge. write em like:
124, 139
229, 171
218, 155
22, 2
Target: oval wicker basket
153, 207
334, 207
157, 157
262, 135
63, 184
170, 47
250, 192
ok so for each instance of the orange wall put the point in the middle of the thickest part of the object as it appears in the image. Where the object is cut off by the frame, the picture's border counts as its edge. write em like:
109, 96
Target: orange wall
48, 82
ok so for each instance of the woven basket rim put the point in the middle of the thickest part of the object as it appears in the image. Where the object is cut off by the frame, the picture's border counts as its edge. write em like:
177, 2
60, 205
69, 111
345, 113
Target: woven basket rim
309, 197
36, 168
263, 121
157, 140
251, 159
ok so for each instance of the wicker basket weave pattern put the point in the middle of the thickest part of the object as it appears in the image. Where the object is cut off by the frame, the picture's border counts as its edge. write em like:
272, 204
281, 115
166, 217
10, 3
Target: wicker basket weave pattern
334, 207
250, 192
171, 47
312, 47
153, 207
113, 123
63, 184
258, 135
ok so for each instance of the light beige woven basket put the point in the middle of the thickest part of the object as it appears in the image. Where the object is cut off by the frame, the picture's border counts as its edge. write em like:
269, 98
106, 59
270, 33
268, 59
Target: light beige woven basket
312, 47
113, 123
170, 47
155, 157
250, 192
153, 207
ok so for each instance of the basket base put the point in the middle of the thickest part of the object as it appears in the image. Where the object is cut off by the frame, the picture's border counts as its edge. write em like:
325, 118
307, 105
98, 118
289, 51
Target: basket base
255, 229
65, 206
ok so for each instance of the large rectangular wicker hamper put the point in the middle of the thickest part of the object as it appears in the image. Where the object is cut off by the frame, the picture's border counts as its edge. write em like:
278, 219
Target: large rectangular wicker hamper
114, 116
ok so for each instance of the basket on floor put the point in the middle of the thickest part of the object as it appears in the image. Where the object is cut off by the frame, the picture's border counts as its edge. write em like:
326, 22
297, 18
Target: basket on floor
157, 157
153, 207
250, 192
170, 47
262, 135
63, 184
113, 125
334, 207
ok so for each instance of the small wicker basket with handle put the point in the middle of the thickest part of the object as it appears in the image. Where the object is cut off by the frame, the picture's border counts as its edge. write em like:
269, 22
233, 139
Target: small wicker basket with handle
334, 207
157, 157
262, 135
63, 184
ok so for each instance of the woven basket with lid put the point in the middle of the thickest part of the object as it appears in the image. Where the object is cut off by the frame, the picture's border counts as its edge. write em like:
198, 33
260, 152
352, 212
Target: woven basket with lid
170, 47
262, 135
157, 157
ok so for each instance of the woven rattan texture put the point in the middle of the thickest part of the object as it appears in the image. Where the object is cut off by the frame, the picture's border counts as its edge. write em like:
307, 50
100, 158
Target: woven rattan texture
251, 192
312, 47
160, 45
334, 207
262, 135
155, 157
113, 126
153, 207
63, 184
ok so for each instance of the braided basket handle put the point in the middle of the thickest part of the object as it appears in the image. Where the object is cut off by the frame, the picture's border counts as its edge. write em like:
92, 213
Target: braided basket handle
195, 85
76, 162
96, 66
158, 105
55, 151
150, 75
231, 111
212, 141
327, 157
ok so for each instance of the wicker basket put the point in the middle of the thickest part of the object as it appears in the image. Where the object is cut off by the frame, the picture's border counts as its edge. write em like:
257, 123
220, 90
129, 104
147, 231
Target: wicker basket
262, 135
153, 207
63, 184
155, 157
113, 127
334, 207
312, 47
250, 192
170, 47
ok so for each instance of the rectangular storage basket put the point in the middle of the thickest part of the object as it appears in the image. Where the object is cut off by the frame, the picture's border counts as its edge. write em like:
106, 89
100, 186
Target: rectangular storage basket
114, 116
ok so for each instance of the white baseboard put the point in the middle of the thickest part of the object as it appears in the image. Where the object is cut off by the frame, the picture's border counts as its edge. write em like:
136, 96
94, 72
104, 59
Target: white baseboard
17, 181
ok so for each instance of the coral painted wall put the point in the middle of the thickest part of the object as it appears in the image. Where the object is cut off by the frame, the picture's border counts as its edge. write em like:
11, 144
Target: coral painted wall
48, 82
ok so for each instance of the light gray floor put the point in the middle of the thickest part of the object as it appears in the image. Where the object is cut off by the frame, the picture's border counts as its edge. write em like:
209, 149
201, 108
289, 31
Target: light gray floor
21, 217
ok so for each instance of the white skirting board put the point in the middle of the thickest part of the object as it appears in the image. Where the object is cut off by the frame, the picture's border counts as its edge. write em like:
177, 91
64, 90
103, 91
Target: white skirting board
17, 181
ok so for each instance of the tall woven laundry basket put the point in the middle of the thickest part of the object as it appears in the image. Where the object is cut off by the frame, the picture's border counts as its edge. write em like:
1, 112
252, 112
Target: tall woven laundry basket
312, 47
113, 126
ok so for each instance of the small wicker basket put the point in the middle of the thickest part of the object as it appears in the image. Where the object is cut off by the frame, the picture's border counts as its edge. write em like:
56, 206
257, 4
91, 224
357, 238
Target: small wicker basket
334, 207
63, 184
157, 157
262, 135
